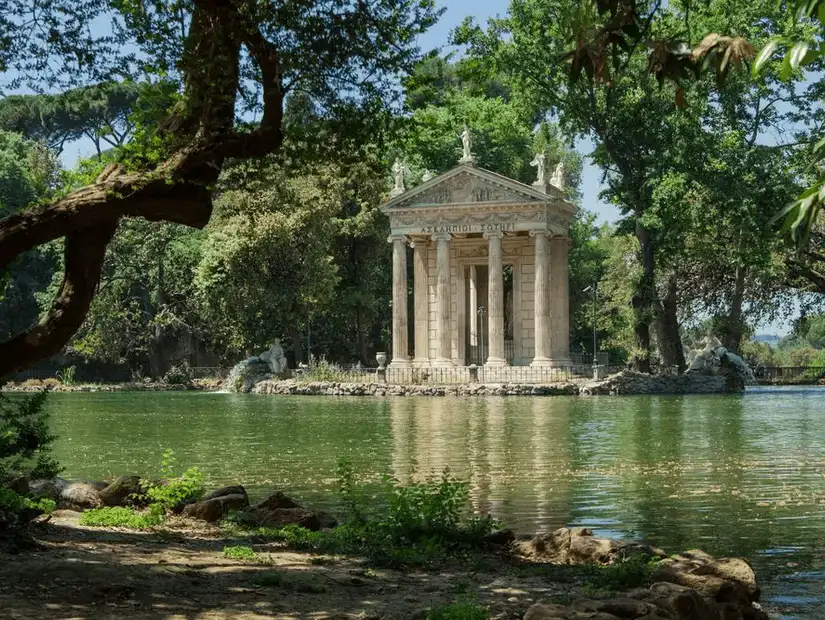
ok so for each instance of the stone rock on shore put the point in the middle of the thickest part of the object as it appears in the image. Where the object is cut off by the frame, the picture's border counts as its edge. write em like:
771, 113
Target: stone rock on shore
578, 546
215, 508
279, 510
81, 495
120, 491
690, 586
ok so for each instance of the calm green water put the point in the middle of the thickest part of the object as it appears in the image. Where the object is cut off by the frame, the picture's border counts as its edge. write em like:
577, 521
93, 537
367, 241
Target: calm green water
737, 475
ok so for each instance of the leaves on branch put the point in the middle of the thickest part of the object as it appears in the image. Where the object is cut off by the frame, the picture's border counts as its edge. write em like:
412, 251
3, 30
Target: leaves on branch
719, 52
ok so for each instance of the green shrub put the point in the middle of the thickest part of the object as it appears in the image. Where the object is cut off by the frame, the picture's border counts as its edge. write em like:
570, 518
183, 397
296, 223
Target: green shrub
178, 490
25, 440
460, 610
415, 525
240, 552
67, 375
180, 374
632, 572
123, 517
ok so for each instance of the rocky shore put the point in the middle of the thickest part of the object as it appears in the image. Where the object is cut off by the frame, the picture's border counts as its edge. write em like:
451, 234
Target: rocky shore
689, 586
626, 382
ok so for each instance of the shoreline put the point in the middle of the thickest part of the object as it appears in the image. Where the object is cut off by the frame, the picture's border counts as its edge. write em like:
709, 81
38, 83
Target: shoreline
626, 382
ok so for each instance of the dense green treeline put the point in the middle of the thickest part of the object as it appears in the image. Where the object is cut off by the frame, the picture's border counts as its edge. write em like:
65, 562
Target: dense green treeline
296, 248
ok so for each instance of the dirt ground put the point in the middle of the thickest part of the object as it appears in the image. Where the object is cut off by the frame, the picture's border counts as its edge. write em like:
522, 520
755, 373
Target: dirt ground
181, 572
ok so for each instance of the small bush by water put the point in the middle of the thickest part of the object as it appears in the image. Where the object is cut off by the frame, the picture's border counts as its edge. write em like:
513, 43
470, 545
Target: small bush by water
161, 498
403, 525
240, 552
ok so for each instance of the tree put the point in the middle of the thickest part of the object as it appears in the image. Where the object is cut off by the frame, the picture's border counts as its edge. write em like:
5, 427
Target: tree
237, 53
610, 87
28, 173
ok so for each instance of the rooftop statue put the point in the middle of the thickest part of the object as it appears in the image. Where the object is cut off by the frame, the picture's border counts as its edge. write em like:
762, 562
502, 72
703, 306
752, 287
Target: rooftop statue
557, 179
467, 144
398, 169
539, 164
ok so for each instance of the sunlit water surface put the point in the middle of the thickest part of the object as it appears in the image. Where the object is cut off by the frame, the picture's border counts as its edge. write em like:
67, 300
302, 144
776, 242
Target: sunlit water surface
733, 475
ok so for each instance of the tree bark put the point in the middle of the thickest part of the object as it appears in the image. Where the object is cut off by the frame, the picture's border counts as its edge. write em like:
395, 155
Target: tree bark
202, 137
667, 327
734, 328
644, 299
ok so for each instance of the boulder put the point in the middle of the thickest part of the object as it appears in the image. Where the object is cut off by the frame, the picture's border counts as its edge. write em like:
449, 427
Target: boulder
120, 491
81, 495
579, 546
47, 488
729, 580
499, 537
281, 517
216, 508
276, 501
234, 489
20, 485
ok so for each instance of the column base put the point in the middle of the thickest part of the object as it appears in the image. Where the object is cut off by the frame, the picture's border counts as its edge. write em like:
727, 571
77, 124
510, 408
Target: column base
443, 362
561, 362
542, 362
421, 363
496, 362
400, 364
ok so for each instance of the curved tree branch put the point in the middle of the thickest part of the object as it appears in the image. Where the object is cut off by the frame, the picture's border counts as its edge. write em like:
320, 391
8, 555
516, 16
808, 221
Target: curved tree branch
84, 255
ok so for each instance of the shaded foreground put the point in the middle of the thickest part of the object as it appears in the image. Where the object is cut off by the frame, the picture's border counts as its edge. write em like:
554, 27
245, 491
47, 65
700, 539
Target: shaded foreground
182, 571
191, 569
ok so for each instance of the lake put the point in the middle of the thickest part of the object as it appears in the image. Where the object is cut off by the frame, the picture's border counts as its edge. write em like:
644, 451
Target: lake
734, 475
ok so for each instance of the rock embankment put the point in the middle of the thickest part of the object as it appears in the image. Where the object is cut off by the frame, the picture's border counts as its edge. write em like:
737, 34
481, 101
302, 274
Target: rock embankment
329, 388
689, 586
632, 382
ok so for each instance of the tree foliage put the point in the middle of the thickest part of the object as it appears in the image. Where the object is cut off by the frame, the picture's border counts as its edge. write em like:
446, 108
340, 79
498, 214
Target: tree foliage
227, 57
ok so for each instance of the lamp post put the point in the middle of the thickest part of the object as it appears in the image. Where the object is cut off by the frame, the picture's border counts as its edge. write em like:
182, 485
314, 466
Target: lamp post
481, 331
594, 288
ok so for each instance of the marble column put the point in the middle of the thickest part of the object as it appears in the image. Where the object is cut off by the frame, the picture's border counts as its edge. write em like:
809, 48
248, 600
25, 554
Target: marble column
560, 301
421, 301
443, 302
473, 307
542, 299
495, 300
400, 334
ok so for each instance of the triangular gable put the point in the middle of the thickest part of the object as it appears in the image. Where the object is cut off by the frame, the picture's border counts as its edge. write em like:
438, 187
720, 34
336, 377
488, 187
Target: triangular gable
466, 184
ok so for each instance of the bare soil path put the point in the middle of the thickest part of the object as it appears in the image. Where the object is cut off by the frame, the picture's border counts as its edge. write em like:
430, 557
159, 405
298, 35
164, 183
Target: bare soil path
180, 572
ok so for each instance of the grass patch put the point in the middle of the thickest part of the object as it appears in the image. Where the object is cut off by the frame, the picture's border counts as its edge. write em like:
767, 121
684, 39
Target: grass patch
123, 517
241, 553
460, 610
632, 572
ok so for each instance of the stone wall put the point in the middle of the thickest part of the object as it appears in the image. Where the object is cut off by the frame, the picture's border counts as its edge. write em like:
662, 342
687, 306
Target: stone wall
328, 388
631, 382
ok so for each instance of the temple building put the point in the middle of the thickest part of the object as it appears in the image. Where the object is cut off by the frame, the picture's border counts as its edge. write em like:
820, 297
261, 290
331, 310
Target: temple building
490, 268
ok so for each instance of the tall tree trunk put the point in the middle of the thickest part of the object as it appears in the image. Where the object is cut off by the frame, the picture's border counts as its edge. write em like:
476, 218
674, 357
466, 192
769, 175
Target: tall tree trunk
732, 336
297, 337
644, 299
667, 327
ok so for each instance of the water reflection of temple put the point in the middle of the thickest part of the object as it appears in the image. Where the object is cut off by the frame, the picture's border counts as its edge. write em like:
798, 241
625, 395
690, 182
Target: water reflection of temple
515, 458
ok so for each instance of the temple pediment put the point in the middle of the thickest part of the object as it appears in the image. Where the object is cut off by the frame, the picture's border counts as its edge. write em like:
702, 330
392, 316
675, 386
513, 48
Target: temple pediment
469, 185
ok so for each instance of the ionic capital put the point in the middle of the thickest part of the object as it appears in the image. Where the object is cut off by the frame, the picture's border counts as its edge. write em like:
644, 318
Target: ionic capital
494, 234
442, 237
394, 238
542, 233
